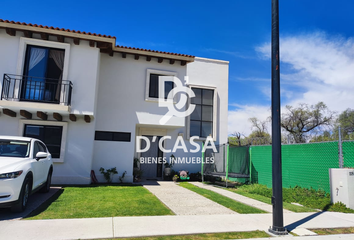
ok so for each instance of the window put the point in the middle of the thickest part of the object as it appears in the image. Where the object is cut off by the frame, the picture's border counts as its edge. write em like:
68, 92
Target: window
113, 136
50, 135
52, 89
152, 84
202, 118
43, 71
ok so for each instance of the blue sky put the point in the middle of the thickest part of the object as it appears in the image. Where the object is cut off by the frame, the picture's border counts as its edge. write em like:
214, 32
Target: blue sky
317, 42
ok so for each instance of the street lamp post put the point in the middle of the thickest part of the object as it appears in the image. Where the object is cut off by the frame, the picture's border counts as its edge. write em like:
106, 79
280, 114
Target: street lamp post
277, 198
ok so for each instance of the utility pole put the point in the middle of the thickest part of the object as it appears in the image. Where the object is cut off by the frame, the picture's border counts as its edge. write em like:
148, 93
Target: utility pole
340, 147
277, 199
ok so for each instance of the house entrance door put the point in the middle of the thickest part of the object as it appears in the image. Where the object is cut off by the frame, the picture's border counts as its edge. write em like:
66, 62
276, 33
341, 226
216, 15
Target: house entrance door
152, 166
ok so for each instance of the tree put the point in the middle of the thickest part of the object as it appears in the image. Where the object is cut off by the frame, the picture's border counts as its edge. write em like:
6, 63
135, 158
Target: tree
236, 140
346, 122
259, 128
325, 136
303, 120
259, 134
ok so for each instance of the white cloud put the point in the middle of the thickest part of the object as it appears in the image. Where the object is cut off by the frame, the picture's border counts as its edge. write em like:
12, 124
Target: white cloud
321, 66
238, 118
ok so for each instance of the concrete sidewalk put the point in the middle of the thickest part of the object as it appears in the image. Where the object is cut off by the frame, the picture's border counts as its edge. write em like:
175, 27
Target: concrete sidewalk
168, 225
238, 197
325, 237
183, 201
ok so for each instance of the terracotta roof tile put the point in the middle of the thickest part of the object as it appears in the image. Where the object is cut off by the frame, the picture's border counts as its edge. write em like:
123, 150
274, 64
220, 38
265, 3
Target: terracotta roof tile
93, 34
154, 51
60, 29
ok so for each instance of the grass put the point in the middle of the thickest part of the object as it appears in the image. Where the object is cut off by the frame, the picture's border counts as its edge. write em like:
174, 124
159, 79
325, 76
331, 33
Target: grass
222, 200
207, 236
327, 231
310, 198
101, 201
288, 206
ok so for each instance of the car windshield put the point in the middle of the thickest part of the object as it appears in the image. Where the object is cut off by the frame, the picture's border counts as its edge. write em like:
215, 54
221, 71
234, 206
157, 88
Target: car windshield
14, 148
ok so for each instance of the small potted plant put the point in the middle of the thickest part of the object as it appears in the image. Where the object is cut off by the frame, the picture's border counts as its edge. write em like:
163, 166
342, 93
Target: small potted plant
136, 164
175, 178
108, 174
183, 175
137, 173
168, 166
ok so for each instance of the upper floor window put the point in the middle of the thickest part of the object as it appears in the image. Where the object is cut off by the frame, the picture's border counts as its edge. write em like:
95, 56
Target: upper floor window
202, 119
43, 71
152, 84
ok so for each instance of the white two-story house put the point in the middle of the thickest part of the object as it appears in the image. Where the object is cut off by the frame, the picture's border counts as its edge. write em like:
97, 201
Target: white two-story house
89, 99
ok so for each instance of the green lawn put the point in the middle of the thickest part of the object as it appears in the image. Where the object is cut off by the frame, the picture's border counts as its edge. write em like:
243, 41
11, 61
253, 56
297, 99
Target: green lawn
222, 200
101, 201
310, 198
327, 231
288, 206
207, 236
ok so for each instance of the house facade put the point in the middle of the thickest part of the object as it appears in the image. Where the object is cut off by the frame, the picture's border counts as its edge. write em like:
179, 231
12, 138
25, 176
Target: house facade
92, 102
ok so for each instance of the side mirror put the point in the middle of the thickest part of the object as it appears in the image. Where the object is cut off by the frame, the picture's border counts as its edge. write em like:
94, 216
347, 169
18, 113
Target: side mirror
41, 155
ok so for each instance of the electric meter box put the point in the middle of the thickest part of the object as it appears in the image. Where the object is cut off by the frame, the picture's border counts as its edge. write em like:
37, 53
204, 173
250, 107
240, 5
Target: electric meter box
342, 186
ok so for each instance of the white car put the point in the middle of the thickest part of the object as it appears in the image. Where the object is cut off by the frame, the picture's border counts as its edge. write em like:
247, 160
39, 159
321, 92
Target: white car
25, 167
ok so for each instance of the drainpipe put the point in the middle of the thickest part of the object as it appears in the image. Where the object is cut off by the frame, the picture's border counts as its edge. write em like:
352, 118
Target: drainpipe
202, 172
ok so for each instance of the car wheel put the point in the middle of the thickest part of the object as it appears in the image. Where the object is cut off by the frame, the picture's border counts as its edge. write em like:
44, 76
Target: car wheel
23, 198
47, 184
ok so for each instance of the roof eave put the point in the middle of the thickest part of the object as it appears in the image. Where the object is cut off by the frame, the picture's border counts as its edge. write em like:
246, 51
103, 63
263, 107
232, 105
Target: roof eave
84, 36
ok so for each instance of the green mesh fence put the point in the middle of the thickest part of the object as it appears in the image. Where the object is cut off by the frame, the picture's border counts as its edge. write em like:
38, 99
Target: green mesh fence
239, 160
219, 164
261, 165
230, 162
304, 165
348, 153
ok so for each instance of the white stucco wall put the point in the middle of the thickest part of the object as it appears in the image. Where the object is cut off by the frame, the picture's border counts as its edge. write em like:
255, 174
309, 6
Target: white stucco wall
82, 71
78, 148
121, 107
8, 54
214, 73
83, 67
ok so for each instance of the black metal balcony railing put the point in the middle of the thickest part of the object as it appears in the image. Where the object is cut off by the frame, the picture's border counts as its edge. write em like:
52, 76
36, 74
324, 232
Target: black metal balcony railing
35, 89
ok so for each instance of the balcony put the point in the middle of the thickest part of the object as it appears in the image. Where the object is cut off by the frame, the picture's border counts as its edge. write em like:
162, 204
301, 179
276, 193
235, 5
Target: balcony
36, 94
34, 89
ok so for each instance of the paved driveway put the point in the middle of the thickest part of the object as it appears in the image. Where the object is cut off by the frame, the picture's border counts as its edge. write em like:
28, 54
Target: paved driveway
34, 202
183, 201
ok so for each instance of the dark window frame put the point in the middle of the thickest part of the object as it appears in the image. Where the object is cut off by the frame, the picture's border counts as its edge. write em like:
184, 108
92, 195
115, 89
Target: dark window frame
201, 104
112, 136
154, 93
48, 145
49, 82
